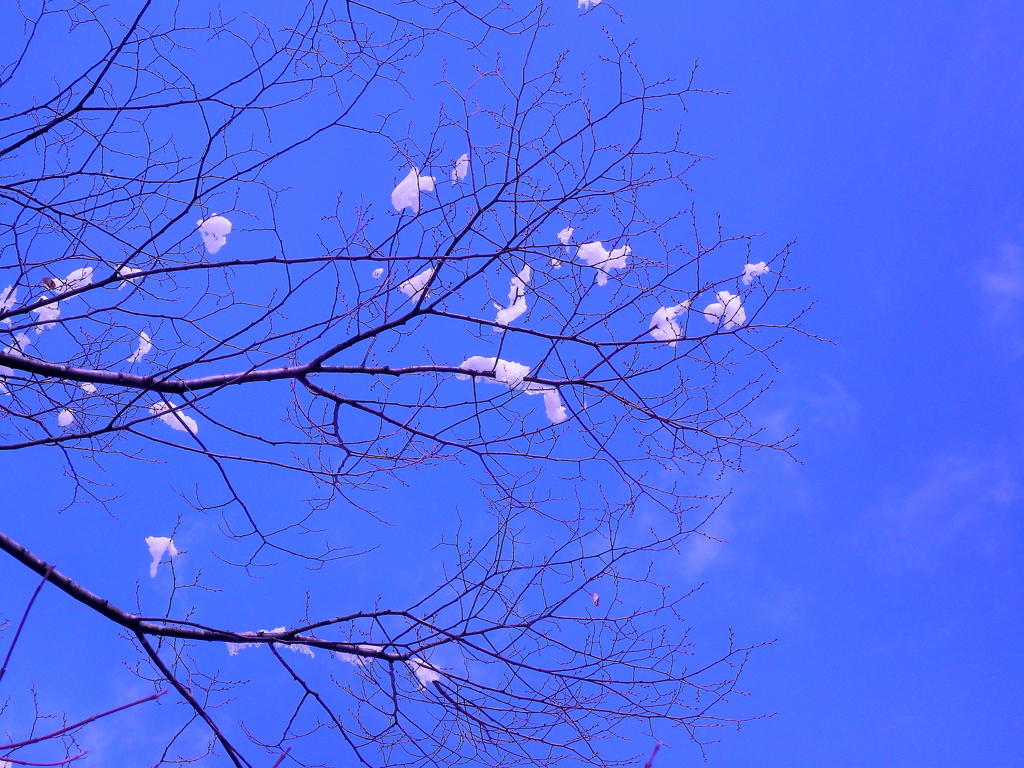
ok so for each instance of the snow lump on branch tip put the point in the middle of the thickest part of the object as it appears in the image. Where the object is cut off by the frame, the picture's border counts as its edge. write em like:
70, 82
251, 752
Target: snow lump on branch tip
750, 271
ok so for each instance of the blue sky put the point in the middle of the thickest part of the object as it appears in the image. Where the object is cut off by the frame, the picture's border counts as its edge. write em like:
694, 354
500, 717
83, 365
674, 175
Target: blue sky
885, 138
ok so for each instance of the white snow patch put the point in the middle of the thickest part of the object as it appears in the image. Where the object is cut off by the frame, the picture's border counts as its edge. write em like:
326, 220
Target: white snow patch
586, 5
664, 326
596, 255
46, 314
426, 673
355, 659
505, 371
143, 349
728, 310
8, 296
511, 374
750, 271
88, 386
125, 273
407, 193
173, 417
516, 298
378, 273
215, 231
79, 278
461, 169
416, 285
234, 648
158, 545
65, 418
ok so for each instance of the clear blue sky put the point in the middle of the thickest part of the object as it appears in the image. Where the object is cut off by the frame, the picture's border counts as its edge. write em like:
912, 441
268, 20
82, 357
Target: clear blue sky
886, 138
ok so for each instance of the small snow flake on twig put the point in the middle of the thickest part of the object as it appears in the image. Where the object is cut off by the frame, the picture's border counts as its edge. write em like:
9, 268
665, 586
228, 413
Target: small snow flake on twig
378, 273
461, 169
215, 231
143, 349
750, 271
88, 387
516, 298
407, 193
416, 285
65, 418
728, 310
158, 545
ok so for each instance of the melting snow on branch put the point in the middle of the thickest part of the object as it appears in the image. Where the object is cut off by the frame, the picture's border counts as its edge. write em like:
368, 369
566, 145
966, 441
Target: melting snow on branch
234, 648
77, 279
750, 271
145, 345
516, 298
416, 285
426, 673
586, 5
88, 387
552, 401
563, 237
511, 375
728, 310
173, 417
664, 326
8, 296
215, 231
125, 273
597, 256
46, 315
65, 418
460, 170
378, 273
355, 659
158, 545
21, 343
407, 193
505, 371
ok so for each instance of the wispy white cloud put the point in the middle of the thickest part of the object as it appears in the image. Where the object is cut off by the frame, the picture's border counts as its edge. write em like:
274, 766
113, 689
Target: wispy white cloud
957, 507
1002, 282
